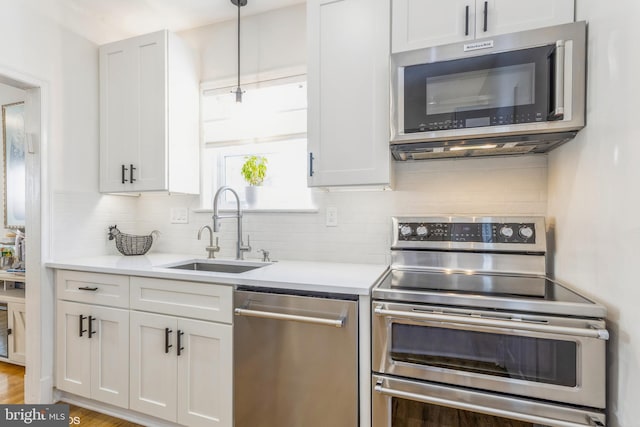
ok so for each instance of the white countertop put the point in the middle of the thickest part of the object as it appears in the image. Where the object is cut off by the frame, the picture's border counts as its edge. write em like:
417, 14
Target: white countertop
343, 278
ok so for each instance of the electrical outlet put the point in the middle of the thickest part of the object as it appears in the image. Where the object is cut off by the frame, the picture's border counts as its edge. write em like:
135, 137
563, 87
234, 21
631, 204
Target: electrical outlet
332, 217
179, 216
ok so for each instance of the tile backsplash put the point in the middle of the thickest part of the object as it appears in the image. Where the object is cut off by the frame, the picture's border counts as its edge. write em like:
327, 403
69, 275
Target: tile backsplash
509, 186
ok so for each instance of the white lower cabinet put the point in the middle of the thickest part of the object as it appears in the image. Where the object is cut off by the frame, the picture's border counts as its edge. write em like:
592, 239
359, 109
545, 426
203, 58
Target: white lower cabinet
93, 352
17, 319
181, 369
164, 349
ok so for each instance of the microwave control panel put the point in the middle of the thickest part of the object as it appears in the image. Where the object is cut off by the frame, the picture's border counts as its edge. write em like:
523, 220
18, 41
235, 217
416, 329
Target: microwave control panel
498, 119
467, 232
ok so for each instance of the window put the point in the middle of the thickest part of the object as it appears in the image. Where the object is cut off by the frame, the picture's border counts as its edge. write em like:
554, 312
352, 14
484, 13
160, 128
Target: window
272, 122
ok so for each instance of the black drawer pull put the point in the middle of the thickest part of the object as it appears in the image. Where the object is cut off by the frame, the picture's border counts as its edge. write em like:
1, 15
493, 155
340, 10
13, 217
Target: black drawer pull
466, 25
87, 288
131, 169
123, 174
167, 346
81, 326
486, 13
180, 347
91, 331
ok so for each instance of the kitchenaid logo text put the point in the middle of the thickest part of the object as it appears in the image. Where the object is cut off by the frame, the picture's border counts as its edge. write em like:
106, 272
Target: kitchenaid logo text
36, 415
479, 45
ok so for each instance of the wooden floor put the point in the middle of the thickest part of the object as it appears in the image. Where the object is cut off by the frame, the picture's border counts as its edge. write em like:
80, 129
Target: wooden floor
12, 392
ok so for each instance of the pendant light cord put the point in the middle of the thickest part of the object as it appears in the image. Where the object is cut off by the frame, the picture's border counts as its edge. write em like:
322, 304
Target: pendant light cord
239, 1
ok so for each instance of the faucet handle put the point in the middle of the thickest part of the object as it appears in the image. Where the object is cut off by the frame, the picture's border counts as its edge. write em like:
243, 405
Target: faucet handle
246, 248
211, 250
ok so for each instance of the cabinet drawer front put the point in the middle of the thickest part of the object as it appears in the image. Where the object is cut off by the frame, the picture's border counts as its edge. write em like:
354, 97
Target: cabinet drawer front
94, 288
187, 299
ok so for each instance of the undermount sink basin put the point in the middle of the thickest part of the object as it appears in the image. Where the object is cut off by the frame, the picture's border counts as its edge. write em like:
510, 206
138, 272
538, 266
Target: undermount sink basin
216, 267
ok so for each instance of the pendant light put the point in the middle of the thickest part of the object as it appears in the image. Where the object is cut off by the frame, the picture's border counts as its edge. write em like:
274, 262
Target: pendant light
238, 90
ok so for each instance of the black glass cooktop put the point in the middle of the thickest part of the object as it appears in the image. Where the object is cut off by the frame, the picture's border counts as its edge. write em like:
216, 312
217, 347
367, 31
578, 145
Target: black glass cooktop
503, 292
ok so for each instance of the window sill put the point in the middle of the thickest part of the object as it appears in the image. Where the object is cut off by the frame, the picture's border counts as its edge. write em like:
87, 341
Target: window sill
262, 210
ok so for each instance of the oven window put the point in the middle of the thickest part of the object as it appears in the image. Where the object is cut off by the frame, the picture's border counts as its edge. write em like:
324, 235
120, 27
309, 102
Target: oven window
408, 413
525, 358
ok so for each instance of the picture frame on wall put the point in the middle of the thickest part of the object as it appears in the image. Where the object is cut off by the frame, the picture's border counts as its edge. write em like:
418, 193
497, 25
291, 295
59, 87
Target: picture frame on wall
13, 137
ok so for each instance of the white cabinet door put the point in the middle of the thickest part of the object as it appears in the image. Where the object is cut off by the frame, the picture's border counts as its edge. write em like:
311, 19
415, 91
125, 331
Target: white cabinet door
150, 57
109, 339
17, 324
118, 118
509, 16
153, 365
92, 352
348, 87
421, 23
205, 374
73, 349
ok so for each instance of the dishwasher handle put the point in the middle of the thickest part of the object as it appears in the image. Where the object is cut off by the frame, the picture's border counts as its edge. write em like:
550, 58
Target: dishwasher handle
338, 323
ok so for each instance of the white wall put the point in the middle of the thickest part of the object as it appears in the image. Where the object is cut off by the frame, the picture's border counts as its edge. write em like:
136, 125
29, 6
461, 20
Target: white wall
8, 95
594, 199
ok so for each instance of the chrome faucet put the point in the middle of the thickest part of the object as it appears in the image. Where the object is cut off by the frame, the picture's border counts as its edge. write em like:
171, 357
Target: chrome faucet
210, 249
240, 248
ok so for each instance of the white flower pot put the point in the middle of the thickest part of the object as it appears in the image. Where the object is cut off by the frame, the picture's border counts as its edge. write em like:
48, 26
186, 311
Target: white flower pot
251, 196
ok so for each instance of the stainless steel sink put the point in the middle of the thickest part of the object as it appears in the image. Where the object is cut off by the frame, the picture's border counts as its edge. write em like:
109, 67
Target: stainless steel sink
216, 267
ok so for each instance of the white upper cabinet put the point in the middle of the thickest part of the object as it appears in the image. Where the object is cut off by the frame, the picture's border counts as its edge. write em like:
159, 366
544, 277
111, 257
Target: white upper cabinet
148, 115
348, 92
418, 24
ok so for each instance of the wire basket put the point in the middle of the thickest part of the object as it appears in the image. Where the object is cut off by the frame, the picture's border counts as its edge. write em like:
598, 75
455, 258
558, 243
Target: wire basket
129, 244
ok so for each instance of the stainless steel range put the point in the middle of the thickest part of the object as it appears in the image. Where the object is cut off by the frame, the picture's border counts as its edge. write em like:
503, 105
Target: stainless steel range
468, 330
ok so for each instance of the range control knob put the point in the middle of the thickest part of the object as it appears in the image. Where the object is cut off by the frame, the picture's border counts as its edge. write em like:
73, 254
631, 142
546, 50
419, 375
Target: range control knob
405, 230
525, 232
422, 231
506, 231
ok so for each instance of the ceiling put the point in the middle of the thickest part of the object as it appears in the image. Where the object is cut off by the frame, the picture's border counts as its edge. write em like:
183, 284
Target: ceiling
103, 21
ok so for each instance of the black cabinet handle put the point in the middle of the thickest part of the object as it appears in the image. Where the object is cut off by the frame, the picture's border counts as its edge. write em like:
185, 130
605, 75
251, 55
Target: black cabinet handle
91, 331
81, 325
87, 288
9, 331
310, 164
180, 347
466, 22
124, 169
486, 13
131, 169
167, 346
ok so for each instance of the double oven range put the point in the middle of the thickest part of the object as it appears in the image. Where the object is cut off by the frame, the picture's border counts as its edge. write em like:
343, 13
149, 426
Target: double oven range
468, 331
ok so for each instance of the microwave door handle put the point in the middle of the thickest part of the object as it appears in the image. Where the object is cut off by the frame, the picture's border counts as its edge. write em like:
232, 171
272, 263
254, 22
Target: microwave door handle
459, 404
558, 96
602, 334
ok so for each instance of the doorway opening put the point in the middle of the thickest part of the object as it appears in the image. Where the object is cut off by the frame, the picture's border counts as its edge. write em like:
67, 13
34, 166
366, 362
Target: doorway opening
24, 161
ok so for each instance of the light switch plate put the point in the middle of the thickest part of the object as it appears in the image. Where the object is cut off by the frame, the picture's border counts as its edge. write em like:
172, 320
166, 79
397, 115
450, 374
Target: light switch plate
332, 217
179, 216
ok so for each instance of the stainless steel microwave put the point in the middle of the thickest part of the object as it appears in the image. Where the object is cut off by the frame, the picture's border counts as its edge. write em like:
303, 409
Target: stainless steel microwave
510, 94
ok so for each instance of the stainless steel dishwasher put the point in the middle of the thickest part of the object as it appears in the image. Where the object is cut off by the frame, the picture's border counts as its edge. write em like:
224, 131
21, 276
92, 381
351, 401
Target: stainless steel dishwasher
295, 359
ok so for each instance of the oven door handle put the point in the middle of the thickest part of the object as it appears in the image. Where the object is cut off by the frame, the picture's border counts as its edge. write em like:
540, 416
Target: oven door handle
478, 408
602, 334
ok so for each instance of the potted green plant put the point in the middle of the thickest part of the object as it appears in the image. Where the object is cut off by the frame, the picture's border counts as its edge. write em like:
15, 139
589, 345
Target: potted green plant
253, 171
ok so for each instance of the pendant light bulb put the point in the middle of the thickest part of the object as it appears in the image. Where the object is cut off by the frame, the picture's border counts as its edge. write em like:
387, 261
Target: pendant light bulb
239, 90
